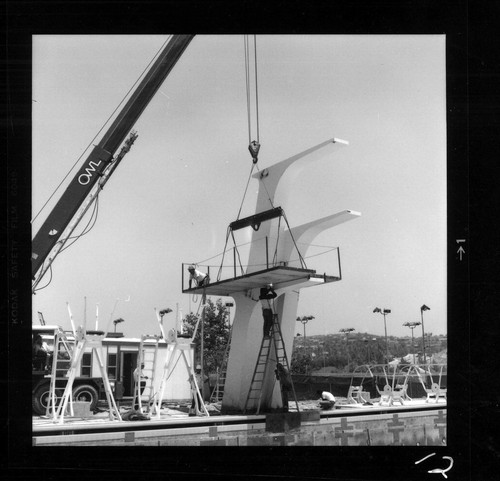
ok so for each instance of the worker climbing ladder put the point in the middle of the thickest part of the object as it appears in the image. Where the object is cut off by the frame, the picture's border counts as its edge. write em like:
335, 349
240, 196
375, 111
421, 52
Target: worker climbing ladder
85, 340
61, 362
272, 339
220, 382
148, 355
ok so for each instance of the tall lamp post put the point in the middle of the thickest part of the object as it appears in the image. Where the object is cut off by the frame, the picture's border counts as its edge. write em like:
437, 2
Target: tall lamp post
117, 321
346, 331
422, 309
412, 325
367, 346
304, 320
384, 312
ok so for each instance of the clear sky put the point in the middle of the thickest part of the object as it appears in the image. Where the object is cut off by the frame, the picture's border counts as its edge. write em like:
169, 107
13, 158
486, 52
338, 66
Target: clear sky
173, 196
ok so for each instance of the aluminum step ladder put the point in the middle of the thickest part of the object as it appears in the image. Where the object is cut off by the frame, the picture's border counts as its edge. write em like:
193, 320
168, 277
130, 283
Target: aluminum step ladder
274, 340
61, 362
148, 355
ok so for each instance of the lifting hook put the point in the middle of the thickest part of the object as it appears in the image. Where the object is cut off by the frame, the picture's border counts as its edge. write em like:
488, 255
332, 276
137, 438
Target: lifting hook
254, 147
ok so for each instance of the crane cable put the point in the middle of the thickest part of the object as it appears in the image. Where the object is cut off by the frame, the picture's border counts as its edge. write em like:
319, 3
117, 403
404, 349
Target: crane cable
254, 145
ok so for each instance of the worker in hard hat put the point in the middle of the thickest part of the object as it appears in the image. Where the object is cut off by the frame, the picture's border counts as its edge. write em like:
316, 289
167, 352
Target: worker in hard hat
199, 278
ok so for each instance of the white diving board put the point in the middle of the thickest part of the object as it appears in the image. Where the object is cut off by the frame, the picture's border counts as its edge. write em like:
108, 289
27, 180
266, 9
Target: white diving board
278, 276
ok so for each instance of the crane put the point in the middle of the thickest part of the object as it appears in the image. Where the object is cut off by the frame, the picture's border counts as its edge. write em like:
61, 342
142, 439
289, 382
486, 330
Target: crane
101, 162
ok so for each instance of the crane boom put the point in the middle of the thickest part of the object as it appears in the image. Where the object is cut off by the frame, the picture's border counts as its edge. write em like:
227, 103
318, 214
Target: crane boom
102, 154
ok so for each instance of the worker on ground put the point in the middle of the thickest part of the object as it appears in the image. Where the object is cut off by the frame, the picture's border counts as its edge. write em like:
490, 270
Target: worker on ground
285, 380
197, 401
140, 384
199, 278
326, 400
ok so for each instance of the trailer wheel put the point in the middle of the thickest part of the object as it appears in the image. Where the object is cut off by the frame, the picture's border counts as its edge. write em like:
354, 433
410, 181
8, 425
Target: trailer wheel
87, 393
40, 399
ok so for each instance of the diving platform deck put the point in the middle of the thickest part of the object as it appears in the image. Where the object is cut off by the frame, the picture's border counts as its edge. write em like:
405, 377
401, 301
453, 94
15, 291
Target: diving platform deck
279, 277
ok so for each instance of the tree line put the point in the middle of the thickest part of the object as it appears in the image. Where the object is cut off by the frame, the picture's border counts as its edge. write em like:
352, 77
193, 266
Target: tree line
337, 352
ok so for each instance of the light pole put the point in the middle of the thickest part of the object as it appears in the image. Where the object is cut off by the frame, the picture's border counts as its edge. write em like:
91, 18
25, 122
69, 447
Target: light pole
229, 305
117, 321
422, 309
346, 331
367, 345
384, 312
412, 325
304, 320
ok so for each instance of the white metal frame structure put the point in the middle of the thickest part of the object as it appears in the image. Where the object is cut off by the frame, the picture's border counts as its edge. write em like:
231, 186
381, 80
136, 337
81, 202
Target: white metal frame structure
84, 340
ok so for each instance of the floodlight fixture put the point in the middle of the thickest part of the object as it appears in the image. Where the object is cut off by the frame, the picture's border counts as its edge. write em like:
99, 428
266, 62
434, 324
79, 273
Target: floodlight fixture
347, 330
117, 321
412, 325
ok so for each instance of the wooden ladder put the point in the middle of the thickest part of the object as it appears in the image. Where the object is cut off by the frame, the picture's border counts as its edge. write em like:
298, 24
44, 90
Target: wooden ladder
148, 354
61, 362
218, 392
275, 339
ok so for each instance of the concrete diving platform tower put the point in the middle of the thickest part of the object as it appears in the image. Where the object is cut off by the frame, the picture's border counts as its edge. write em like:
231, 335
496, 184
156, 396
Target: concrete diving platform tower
286, 275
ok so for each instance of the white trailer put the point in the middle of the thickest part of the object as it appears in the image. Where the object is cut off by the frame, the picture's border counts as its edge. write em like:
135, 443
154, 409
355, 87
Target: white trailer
120, 360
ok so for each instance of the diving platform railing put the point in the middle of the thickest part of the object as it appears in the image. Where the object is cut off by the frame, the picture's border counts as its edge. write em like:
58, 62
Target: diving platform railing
225, 280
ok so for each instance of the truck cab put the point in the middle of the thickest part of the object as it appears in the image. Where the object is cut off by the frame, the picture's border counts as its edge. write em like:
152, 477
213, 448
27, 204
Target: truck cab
85, 387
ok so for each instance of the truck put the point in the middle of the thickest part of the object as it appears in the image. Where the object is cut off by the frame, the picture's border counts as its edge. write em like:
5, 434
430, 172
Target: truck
120, 359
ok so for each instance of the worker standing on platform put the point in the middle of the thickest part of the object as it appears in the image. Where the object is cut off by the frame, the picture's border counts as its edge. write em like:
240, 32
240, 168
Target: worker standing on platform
200, 279
285, 380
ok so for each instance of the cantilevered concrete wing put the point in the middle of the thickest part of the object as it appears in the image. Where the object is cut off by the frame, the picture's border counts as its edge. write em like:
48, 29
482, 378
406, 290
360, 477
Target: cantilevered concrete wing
279, 277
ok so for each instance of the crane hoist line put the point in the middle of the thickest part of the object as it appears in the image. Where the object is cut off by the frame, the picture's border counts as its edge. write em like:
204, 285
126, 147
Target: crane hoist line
253, 145
103, 153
